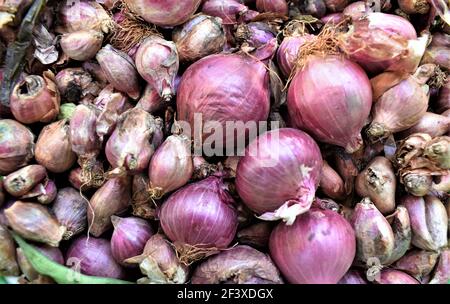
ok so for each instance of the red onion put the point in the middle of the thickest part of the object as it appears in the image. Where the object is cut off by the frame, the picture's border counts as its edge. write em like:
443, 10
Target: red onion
150, 100
236, 84
391, 276
331, 183
171, 166
53, 147
70, 208
157, 62
401, 227
166, 13
353, 277
437, 55
315, 8
418, 263
120, 70
81, 45
199, 37
35, 99
316, 89
112, 198
23, 180
429, 221
317, 249
238, 265
75, 84
269, 161
16, 146
129, 146
129, 237
93, 256
374, 236
8, 261
443, 102
430, 123
288, 50
228, 10
255, 34
273, 6
442, 271
256, 235
200, 219
336, 5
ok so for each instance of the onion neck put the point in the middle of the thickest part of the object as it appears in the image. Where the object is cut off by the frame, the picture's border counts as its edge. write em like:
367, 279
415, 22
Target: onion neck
377, 131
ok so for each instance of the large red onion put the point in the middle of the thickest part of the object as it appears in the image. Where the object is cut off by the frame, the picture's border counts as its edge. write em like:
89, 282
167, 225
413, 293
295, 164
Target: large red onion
129, 237
93, 256
167, 13
171, 166
200, 218
318, 248
16, 145
236, 84
344, 101
279, 174
288, 50
70, 209
239, 265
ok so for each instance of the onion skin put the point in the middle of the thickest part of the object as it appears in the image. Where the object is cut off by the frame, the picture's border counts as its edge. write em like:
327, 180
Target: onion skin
315, 8
438, 151
44, 192
53, 147
204, 202
171, 166
8, 262
257, 235
150, 100
129, 146
418, 263
295, 190
199, 37
129, 237
443, 102
23, 180
401, 227
227, 10
374, 236
430, 123
34, 222
82, 45
392, 276
16, 146
442, 271
120, 70
214, 82
317, 249
377, 181
336, 5
74, 84
340, 96
414, 6
429, 222
35, 99
70, 209
167, 13
353, 277
437, 55
84, 15
239, 265
440, 39
94, 258
355, 10
112, 198
331, 183
157, 62
288, 50
272, 6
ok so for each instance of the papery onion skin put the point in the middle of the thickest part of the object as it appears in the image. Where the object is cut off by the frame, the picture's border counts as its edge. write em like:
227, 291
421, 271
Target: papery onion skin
129, 237
438, 151
8, 262
166, 13
237, 84
157, 62
414, 6
34, 222
318, 248
269, 160
204, 202
44, 192
288, 50
430, 123
23, 180
35, 99
112, 198
120, 70
227, 10
171, 166
348, 97
74, 84
53, 147
331, 183
93, 257
392, 276
442, 270
378, 182
240, 265
374, 235
70, 208
16, 145
199, 37
273, 6
353, 277
418, 263
81, 45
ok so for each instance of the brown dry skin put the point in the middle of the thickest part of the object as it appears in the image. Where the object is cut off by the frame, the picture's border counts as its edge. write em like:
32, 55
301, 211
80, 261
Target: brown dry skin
401, 227
438, 151
189, 254
414, 6
8, 263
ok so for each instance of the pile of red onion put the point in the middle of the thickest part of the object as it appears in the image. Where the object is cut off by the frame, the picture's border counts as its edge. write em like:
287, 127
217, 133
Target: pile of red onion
226, 141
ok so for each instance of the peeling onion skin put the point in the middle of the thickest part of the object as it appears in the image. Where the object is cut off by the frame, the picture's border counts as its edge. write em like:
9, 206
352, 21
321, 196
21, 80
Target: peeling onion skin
288, 160
353, 277
240, 265
418, 263
16, 145
167, 13
378, 182
206, 203
348, 97
318, 248
70, 209
392, 276
236, 84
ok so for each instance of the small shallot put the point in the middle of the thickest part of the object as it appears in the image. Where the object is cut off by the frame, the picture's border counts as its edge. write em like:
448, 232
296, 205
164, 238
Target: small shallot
81, 45
70, 208
23, 180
